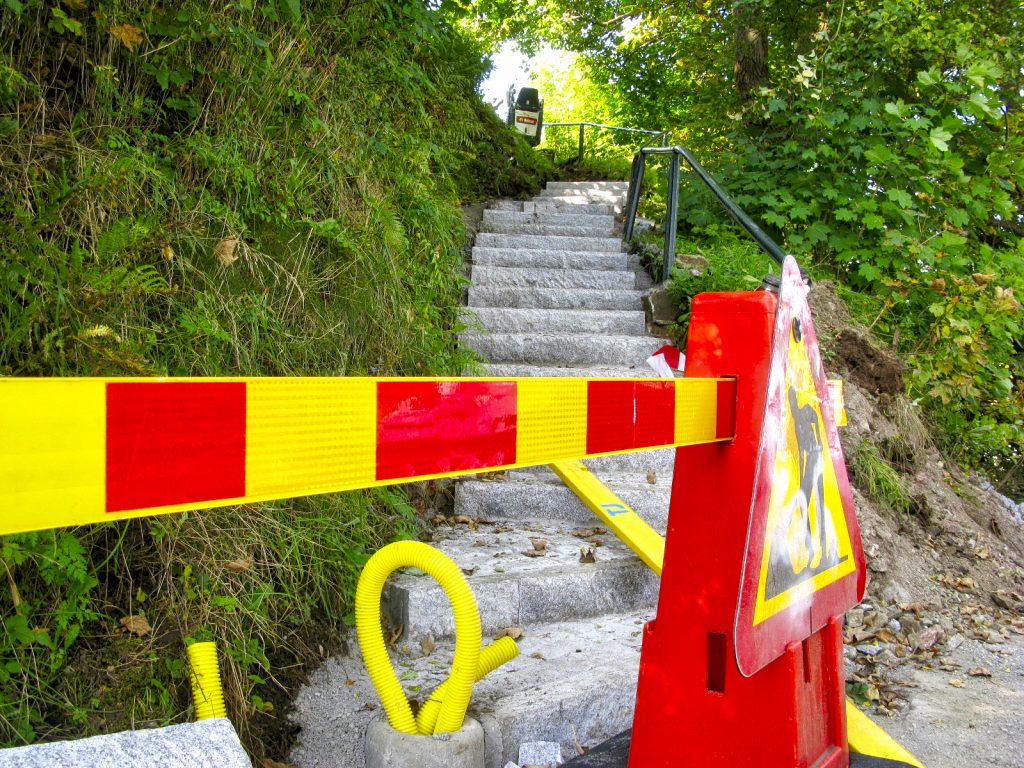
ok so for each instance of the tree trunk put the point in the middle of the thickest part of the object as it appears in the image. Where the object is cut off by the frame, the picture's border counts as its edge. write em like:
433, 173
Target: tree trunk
751, 48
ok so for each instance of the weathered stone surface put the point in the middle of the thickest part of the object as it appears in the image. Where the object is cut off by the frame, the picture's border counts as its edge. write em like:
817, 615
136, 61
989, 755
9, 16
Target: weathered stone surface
661, 310
556, 230
552, 298
589, 371
510, 218
561, 349
512, 320
204, 744
513, 257
548, 242
554, 278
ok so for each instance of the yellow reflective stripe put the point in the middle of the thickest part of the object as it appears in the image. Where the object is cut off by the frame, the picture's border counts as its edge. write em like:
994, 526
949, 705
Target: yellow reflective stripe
638, 535
52, 453
695, 420
552, 420
308, 435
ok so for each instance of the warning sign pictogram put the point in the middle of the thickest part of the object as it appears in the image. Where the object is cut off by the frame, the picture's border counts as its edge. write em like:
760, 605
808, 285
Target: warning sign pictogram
803, 560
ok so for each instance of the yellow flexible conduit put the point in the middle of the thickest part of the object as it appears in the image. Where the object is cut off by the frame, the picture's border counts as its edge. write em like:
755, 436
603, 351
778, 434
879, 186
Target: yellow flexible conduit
446, 709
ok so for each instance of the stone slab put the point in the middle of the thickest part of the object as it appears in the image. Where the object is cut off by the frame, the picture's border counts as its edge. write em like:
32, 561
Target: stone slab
514, 257
204, 744
552, 298
513, 320
586, 279
547, 242
560, 349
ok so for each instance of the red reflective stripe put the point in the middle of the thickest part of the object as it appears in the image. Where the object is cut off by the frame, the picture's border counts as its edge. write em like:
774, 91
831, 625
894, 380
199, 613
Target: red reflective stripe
725, 409
427, 427
622, 415
655, 413
174, 443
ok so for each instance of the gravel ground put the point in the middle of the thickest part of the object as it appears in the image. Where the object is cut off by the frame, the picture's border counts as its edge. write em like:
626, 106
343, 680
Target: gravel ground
976, 726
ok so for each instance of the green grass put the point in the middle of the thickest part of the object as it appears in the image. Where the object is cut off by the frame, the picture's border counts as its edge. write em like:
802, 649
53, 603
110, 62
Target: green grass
239, 191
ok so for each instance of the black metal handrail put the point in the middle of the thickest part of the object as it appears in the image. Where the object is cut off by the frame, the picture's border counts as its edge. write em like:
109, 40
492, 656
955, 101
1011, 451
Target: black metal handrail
583, 126
672, 218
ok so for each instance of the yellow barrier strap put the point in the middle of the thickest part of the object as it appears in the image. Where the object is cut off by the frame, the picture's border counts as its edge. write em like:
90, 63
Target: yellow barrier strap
647, 543
867, 738
79, 451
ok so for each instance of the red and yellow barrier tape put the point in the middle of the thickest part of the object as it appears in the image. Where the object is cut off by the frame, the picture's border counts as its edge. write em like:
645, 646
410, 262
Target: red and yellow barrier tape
78, 451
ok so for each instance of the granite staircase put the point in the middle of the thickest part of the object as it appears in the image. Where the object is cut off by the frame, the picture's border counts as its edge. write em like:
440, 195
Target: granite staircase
553, 293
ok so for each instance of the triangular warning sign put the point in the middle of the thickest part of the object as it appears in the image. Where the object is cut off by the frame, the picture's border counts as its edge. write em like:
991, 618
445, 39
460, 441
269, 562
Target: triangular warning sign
803, 560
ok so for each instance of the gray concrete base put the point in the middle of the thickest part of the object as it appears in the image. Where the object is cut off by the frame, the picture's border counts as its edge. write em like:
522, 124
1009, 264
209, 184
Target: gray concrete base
388, 748
204, 744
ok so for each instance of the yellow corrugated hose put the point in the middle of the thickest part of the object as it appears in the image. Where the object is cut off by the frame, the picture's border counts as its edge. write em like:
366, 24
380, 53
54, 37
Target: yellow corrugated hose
446, 709
207, 693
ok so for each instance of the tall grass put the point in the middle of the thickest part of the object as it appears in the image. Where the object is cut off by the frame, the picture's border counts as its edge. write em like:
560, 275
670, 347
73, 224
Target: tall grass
240, 189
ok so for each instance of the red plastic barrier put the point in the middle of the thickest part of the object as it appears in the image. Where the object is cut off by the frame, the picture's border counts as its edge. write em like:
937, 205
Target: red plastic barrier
743, 664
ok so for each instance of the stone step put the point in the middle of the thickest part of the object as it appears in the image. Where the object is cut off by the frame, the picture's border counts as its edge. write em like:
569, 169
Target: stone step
525, 496
552, 298
618, 186
547, 230
568, 219
593, 195
641, 371
548, 242
561, 348
513, 320
514, 257
554, 278
546, 205
574, 682
514, 589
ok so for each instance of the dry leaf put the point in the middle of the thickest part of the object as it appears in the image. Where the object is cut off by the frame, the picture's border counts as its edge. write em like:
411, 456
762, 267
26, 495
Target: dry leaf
471, 571
137, 625
652, 478
127, 35
979, 672
956, 682
427, 644
167, 251
224, 251
239, 566
266, 762
533, 553
539, 544
514, 632
463, 519
587, 555
538, 655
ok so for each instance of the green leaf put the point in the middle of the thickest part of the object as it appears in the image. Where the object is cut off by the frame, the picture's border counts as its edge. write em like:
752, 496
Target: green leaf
873, 221
900, 197
291, 9
940, 138
15, 6
927, 77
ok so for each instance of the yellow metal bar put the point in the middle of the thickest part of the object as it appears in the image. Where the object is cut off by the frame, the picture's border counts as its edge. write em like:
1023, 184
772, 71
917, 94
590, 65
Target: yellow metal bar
638, 535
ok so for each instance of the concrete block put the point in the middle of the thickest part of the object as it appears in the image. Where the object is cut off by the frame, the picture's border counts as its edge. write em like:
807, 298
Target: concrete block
588, 371
388, 748
570, 218
549, 230
204, 744
554, 278
552, 298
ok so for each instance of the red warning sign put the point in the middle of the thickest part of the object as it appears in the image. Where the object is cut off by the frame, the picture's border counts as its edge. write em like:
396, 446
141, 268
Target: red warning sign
803, 561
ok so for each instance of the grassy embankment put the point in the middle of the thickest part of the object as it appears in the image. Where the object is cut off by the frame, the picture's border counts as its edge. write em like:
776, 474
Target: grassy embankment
185, 190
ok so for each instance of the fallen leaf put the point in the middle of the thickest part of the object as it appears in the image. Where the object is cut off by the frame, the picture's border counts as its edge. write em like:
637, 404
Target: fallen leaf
956, 682
167, 251
514, 632
539, 544
239, 566
538, 655
427, 644
266, 762
652, 478
137, 625
127, 35
587, 555
465, 520
533, 553
994, 527
224, 251
979, 672
471, 571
